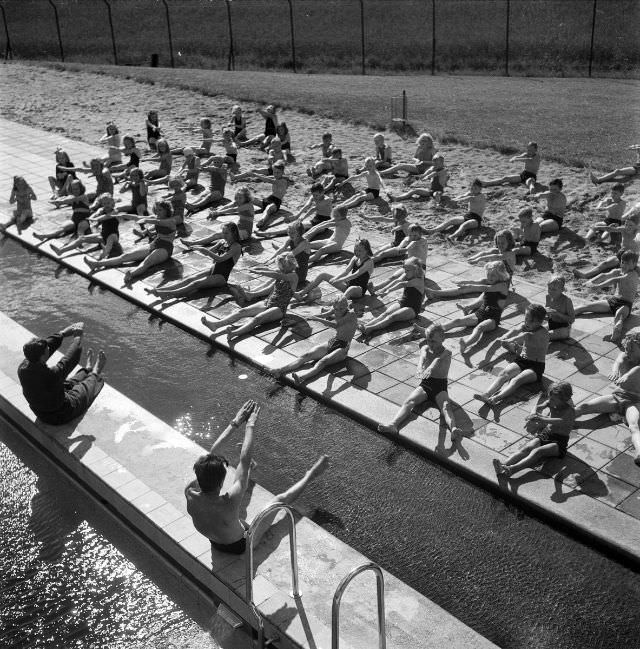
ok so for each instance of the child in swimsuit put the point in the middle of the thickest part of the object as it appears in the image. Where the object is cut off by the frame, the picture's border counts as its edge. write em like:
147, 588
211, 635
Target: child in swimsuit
334, 350
272, 203
553, 417
21, 195
216, 168
238, 123
614, 208
190, 168
112, 139
503, 251
230, 150
432, 371
225, 254
274, 154
422, 158
625, 279
353, 280
338, 171
408, 307
476, 203
531, 159
341, 227
273, 309
560, 312
78, 224
139, 190
384, 158
270, 125
528, 235
284, 137
153, 130
178, 199
399, 231
162, 174
436, 176
324, 164
374, 185
622, 174
64, 175
553, 217
129, 148
485, 312
529, 342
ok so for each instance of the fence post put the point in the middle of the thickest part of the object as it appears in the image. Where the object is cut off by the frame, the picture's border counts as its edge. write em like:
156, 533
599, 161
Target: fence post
231, 63
593, 31
8, 51
433, 37
293, 37
55, 12
113, 35
166, 10
362, 33
506, 40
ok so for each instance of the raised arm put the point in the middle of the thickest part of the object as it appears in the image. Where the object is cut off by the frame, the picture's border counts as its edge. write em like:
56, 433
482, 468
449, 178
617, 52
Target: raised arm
64, 366
239, 419
246, 455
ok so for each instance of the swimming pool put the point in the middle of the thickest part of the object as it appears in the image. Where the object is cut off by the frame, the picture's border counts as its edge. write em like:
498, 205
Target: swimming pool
505, 574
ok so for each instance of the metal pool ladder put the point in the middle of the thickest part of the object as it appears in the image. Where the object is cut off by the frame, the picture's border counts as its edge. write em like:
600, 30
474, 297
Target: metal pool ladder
337, 598
249, 535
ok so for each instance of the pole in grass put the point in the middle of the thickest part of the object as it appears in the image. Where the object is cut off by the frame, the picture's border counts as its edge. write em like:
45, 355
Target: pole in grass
506, 39
593, 33
8, 51
293, 37
362, 34
113, 35
55, 13
231, 64
166, 10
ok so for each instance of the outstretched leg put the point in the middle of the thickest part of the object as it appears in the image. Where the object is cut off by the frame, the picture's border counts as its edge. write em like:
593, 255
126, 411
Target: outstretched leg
633, 416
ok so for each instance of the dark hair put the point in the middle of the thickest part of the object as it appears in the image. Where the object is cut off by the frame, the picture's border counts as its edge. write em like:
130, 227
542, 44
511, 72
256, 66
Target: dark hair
327, 135
557, 182
629, 255
167, 207
210, 471
618, 187
336, 152
366, 245
476, 182
233, 228
562, 390
34, 349
527, 212
317, 188
537, 312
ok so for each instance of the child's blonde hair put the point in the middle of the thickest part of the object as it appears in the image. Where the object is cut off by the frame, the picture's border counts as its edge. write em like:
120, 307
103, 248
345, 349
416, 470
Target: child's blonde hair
424, 138
507, 237
526, 213
287, 263
434, 328
399, 210
557, 280
496, 272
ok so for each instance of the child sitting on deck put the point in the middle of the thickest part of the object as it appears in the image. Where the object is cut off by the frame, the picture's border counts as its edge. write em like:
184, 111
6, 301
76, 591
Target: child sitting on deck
485, 312
272, 203
21, 195
614, 208
553, 217
625, 279
503, 251
217, 171
552, 437
341, 227
436, 177
528, 234
374, 185
332, 351
472, 220
560, 312
529, 342
531, 159
432, 371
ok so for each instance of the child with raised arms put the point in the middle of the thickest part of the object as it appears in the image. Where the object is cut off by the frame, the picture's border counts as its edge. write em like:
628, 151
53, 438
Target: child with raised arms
139, 191
621, 174
78, 224
529, 342
374, 185
238, 123
271, 204
528, 234
162, 174
400, 231
216, 168
190, 169
334, 350
503, 251
177, 196
560, 311
554, 417
436, 177
422, 158
432, 371
528, 176
613, 206
270, 125
485, 312
553, 217
476, 204
341, 227
154, 133
408, 307
64, 174
113, 142
338, 171
128, 148
625, 279
324, 164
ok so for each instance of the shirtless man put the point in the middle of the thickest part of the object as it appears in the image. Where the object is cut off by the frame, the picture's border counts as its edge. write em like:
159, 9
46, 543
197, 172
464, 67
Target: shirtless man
625, 397
216, 515
334, 350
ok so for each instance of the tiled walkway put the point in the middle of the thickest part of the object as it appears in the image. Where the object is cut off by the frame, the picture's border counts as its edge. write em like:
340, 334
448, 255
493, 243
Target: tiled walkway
379, 375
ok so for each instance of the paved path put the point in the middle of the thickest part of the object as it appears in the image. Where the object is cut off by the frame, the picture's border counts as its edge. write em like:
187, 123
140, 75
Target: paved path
596, 487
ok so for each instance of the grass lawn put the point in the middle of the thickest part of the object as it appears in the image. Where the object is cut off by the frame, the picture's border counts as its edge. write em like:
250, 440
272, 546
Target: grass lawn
576, 121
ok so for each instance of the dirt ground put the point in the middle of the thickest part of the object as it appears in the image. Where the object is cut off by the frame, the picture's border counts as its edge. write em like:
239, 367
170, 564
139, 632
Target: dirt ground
78, 104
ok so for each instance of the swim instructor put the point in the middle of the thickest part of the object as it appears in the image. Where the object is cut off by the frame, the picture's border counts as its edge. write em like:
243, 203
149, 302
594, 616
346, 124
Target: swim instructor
52, 397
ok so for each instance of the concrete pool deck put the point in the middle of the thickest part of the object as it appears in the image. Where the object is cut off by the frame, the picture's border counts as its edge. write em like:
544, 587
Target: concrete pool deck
594, 490
138, 466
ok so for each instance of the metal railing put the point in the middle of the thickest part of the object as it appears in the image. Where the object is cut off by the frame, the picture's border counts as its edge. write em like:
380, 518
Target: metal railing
337, 598
249, 535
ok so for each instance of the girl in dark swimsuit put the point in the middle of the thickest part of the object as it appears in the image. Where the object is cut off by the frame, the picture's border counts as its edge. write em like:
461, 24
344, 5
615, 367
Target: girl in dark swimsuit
353, 280
60, 183
225, 254
157, 252
484, 313
409, 305
78, 224
163, 172
108, 236
273, 309
139, 190
129, 148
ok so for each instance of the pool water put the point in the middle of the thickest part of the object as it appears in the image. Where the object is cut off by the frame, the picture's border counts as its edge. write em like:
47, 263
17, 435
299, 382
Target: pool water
509, 576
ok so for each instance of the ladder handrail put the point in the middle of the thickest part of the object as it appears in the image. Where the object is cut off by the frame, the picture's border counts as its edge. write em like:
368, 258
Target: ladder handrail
249, 535
337, 598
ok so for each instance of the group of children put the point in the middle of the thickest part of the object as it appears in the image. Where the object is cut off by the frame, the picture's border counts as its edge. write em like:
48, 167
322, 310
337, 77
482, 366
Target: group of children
321, 227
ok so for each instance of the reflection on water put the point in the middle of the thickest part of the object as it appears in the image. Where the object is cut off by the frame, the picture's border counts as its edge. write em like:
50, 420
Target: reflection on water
508, 576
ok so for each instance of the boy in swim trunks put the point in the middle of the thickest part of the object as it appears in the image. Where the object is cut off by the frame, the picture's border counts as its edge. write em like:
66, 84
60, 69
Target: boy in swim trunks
552, 218
622, 174
552, 437
341, 227
272, 203
624, 401
614, 208
476, 204
529, 342
528, 235
432, 372
333, 351
339, 171
216, 513
560, 311
531, 159
625, 279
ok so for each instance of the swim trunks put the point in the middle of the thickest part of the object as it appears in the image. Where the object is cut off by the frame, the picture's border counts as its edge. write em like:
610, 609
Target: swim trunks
553, 217
616, 303
374, 192
472, 216
237, 547
271, 200
336, 343
526, 364
556, 324
547, 437
525, 175
532, 245
412, 298
432, 387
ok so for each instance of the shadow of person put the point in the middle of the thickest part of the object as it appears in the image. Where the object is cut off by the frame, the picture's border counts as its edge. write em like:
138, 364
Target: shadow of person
582, 359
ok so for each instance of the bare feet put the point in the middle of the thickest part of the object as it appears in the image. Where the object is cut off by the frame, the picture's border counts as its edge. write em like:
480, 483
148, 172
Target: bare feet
100, 363
463, 308
210, 324
296, 377
463, 345
484, 398
388, 429
593, 178
616, 334
456, 435
55, 249
40, 237
89, 362
151, 291
128, 277
92, 263
501, 469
